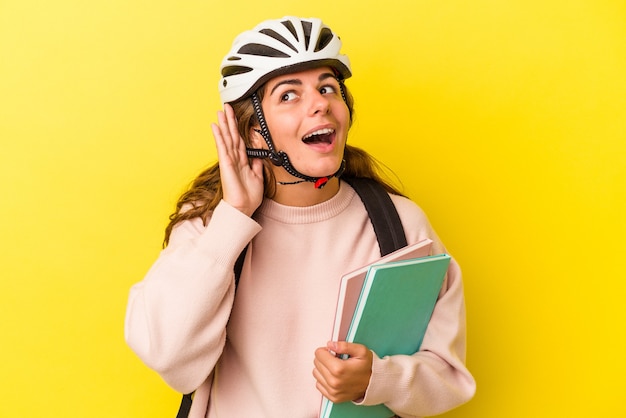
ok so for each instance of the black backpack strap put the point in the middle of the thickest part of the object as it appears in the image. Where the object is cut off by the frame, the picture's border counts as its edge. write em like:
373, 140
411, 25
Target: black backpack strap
185, 406
239, 265
382, 213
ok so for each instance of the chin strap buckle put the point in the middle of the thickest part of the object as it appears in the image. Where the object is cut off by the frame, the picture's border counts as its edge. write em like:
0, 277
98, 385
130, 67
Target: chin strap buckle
321, 182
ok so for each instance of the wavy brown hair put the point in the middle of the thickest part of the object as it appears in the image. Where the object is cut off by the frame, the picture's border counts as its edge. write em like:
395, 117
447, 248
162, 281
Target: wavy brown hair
205, 192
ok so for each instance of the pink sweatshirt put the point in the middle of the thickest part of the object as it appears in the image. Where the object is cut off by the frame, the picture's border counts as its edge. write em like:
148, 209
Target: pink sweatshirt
252, 356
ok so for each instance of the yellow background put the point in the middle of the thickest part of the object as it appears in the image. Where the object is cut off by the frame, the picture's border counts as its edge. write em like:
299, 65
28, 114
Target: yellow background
506, 121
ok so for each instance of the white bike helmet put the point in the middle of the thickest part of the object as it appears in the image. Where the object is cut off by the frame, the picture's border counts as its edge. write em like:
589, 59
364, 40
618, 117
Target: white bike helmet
277, 47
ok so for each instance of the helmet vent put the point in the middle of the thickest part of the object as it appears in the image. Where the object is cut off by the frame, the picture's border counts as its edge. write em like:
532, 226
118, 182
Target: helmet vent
278, 37
234, 70
290, 28
324, 39
306, 26
262, 50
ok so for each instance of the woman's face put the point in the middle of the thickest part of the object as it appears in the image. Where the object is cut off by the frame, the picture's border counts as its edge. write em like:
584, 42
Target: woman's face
308, 120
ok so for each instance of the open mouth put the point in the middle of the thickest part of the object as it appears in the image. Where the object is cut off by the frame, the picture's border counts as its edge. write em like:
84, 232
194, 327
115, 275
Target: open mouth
323, 136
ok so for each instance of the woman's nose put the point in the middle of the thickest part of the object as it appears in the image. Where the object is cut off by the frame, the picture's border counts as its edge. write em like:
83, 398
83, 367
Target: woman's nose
319, 103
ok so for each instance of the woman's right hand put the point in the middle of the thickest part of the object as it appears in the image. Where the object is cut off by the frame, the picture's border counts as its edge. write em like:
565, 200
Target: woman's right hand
242, 179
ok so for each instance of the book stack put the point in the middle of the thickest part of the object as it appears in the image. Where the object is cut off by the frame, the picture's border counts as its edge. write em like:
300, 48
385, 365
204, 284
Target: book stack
386, 306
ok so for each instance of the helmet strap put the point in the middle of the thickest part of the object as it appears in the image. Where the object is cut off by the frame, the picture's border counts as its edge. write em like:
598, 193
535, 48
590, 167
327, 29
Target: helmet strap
342, 88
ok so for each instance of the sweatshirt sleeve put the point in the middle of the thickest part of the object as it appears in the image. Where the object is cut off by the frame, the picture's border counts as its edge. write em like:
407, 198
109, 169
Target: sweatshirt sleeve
176, 316
435, 379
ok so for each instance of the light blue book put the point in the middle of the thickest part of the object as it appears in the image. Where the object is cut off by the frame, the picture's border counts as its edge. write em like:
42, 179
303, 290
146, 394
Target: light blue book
391, 317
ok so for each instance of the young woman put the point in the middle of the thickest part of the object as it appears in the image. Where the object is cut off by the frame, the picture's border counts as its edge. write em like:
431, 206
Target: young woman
262, 351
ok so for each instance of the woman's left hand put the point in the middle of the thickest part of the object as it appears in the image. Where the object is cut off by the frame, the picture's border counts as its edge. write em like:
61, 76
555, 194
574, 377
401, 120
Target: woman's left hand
343, 380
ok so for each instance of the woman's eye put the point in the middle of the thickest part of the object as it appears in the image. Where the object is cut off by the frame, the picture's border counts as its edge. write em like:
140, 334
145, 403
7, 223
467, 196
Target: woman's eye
328, 90
290, 95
